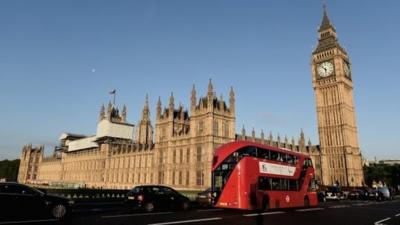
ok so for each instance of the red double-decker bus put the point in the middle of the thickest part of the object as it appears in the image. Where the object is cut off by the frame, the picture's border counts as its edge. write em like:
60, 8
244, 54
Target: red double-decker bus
248, 175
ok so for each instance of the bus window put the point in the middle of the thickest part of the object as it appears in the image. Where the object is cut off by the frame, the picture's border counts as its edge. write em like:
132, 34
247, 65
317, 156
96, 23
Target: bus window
307, 163
263, 153
274, 155
263, 183
285, 158
250, 151
312, 186
293, 185
295, 160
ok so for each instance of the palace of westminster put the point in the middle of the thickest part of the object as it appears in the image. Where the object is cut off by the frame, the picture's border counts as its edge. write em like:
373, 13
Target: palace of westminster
178, 150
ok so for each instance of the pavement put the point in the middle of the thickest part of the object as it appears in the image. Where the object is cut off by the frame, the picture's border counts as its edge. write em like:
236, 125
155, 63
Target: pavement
329, 213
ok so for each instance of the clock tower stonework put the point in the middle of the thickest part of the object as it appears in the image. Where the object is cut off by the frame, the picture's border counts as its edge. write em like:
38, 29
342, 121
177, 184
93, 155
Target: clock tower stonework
341, 158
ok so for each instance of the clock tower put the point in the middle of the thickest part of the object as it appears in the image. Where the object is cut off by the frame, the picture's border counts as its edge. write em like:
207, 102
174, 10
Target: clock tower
341, 159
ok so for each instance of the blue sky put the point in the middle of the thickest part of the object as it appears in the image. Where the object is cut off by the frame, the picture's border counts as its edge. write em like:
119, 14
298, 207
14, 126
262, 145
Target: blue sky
59, 60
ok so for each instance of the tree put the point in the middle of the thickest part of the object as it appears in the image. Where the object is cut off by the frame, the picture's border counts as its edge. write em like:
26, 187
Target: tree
9, 169
389, 174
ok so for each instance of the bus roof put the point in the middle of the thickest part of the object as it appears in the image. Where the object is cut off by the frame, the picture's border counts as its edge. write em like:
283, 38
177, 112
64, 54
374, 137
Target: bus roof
228, 148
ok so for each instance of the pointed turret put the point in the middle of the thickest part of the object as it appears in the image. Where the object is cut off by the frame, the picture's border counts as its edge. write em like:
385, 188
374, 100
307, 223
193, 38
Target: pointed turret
302, 141
102, 113
109, 110
159, 107
232, 101
253, 134
171, 104
293, 143
270, 139
279, 140
210, 90
146, 111
144, 132
286, 141
243, 132
193, 98
210, 95
262, 135
123, 114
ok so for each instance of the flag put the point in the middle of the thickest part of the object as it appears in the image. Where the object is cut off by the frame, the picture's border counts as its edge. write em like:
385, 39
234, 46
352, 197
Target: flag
112, 92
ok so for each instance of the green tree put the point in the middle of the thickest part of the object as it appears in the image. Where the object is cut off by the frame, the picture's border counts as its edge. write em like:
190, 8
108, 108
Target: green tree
390, 174
9, 169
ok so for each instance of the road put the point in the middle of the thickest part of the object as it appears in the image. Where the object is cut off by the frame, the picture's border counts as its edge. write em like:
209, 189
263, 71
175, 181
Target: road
338, 213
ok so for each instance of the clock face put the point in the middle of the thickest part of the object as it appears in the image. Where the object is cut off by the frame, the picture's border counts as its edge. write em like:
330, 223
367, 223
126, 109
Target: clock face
346, 69
325, 69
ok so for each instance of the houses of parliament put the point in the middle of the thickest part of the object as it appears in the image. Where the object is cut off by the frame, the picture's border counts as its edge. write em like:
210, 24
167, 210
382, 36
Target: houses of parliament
178, 150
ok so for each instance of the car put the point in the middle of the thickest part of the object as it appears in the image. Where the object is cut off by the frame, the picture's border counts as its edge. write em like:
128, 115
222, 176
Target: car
334, 193
155, 197
381, 194
358, 194
204, 198
19, 201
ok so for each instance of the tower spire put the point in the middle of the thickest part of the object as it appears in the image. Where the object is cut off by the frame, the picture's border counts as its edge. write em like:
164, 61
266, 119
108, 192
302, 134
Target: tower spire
193, 97
210, 88
146, 111
171, 102
326, 23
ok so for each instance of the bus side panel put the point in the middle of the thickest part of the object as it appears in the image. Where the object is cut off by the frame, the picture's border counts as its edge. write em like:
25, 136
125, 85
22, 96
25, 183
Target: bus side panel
229, 196
248, 178
312, 195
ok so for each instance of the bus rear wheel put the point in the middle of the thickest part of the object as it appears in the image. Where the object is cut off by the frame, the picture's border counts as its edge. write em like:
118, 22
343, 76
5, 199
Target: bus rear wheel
265, 204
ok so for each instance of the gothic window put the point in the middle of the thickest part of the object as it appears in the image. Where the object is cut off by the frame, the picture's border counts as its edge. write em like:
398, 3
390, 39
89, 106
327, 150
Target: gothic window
199, 178
200, 128
181, 155
180, 177
199, 154
187, 178
188, 155
215, 127
173, 177
174, 156
161, 157
226, 130
160, 177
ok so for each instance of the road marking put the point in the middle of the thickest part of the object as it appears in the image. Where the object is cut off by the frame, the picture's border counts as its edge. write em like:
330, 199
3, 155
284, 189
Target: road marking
380, 221
263, 214
209, 210
311, 209
136, 214
338, 206
187, 221
362, 204
28, 221
397, 215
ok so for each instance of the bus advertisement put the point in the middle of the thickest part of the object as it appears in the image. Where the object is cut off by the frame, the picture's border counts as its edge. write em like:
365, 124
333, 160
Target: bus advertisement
252, 176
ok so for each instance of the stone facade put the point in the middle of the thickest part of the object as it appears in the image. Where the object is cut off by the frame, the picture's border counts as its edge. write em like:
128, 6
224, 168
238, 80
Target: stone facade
180, 155
333, 86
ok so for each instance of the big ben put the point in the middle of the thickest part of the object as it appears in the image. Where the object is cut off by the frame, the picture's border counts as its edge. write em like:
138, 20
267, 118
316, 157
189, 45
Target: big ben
341, 158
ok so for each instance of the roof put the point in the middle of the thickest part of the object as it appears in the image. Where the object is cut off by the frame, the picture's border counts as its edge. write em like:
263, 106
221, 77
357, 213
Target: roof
227, 149
326, 23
